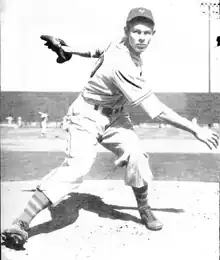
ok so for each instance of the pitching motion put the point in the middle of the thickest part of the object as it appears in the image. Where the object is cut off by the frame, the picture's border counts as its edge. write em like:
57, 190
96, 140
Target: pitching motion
98, 116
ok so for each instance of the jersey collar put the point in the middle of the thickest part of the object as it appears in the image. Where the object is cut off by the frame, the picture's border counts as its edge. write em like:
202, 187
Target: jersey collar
136, 58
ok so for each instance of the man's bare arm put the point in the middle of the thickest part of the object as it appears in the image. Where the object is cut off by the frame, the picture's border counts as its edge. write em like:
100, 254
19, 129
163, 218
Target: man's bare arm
171, 117
167, 115
87, 54
207, 136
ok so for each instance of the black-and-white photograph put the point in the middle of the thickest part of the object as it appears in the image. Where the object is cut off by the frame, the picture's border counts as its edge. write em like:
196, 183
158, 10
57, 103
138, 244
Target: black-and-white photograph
110, 126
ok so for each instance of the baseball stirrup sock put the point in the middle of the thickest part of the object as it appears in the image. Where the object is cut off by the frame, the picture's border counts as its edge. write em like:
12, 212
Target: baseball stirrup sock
141, 197
37, 203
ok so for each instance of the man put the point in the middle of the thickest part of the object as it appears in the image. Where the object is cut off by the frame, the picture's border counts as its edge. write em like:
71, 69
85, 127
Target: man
43, 123
9, 120
194, 120
19, 122
97, 116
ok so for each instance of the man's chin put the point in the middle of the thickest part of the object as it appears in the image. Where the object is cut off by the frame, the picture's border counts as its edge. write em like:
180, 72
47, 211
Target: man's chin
139, 51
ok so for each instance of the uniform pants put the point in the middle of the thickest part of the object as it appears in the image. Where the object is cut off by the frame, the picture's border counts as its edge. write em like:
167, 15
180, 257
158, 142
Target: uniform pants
43, 127
88, 127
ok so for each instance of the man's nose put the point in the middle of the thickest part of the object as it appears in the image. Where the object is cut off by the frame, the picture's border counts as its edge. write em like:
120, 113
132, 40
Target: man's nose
141, 39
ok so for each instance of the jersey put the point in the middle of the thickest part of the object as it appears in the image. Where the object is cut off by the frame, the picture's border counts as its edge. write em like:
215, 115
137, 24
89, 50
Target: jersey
117, 78
43, 116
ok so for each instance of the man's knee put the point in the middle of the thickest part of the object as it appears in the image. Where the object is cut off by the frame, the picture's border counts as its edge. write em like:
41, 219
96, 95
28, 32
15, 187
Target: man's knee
132, 153
138, 172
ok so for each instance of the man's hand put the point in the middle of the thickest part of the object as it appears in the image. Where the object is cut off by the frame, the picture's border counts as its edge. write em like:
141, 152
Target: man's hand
207, 136
56, 45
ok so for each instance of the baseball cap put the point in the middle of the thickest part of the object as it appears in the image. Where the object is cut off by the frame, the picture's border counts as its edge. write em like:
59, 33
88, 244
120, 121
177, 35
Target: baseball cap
140, 12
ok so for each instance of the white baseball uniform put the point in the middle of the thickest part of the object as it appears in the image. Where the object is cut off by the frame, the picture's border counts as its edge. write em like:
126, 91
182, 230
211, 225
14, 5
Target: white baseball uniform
19, 122
9, 119
97, 116
43, 123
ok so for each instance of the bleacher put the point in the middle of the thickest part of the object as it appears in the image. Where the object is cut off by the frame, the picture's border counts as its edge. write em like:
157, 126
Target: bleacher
203, 106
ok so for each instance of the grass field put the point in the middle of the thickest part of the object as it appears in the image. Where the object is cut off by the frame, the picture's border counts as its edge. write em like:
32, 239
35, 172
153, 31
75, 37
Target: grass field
26, 155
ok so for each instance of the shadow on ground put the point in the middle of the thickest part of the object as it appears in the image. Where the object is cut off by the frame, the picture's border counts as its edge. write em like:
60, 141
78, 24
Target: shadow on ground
67, 212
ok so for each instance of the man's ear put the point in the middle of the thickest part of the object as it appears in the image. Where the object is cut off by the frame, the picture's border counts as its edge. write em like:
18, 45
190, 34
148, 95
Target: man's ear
153, 32
126, 30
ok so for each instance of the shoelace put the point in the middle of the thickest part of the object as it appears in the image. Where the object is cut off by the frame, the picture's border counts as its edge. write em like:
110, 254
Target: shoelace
148, 214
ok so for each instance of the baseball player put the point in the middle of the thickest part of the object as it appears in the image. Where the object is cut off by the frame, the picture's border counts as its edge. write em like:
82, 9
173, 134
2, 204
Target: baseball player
9, 120
43, 123
195, 121
19, 122
98, 116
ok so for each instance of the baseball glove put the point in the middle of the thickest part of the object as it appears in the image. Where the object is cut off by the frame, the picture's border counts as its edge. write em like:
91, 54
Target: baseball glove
55, 44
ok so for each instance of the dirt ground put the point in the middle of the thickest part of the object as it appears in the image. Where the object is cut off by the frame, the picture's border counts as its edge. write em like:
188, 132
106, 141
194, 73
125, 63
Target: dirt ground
99, 219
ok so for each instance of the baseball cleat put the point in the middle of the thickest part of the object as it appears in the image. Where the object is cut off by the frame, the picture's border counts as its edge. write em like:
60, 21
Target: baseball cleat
16, 235
149, 220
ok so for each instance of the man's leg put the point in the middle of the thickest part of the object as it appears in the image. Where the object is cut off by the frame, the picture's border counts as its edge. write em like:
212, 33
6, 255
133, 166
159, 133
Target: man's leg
43, 128
17, 234
55, 185
121, 139
147, 216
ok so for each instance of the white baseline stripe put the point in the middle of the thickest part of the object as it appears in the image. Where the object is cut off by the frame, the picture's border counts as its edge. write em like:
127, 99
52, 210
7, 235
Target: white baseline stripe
149, 145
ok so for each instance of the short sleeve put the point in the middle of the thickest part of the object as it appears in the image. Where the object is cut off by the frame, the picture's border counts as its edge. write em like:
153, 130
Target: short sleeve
134, 88
138, 93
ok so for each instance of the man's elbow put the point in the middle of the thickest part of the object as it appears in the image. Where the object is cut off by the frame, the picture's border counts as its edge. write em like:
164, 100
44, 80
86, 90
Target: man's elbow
153, 107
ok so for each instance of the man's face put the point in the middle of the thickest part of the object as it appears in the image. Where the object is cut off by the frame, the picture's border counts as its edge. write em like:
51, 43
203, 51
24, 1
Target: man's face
139, 36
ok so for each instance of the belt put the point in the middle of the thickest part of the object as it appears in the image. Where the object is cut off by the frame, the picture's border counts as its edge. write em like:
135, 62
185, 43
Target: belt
107, 110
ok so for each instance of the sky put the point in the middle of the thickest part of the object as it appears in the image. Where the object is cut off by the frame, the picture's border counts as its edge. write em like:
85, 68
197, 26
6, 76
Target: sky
176, 60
